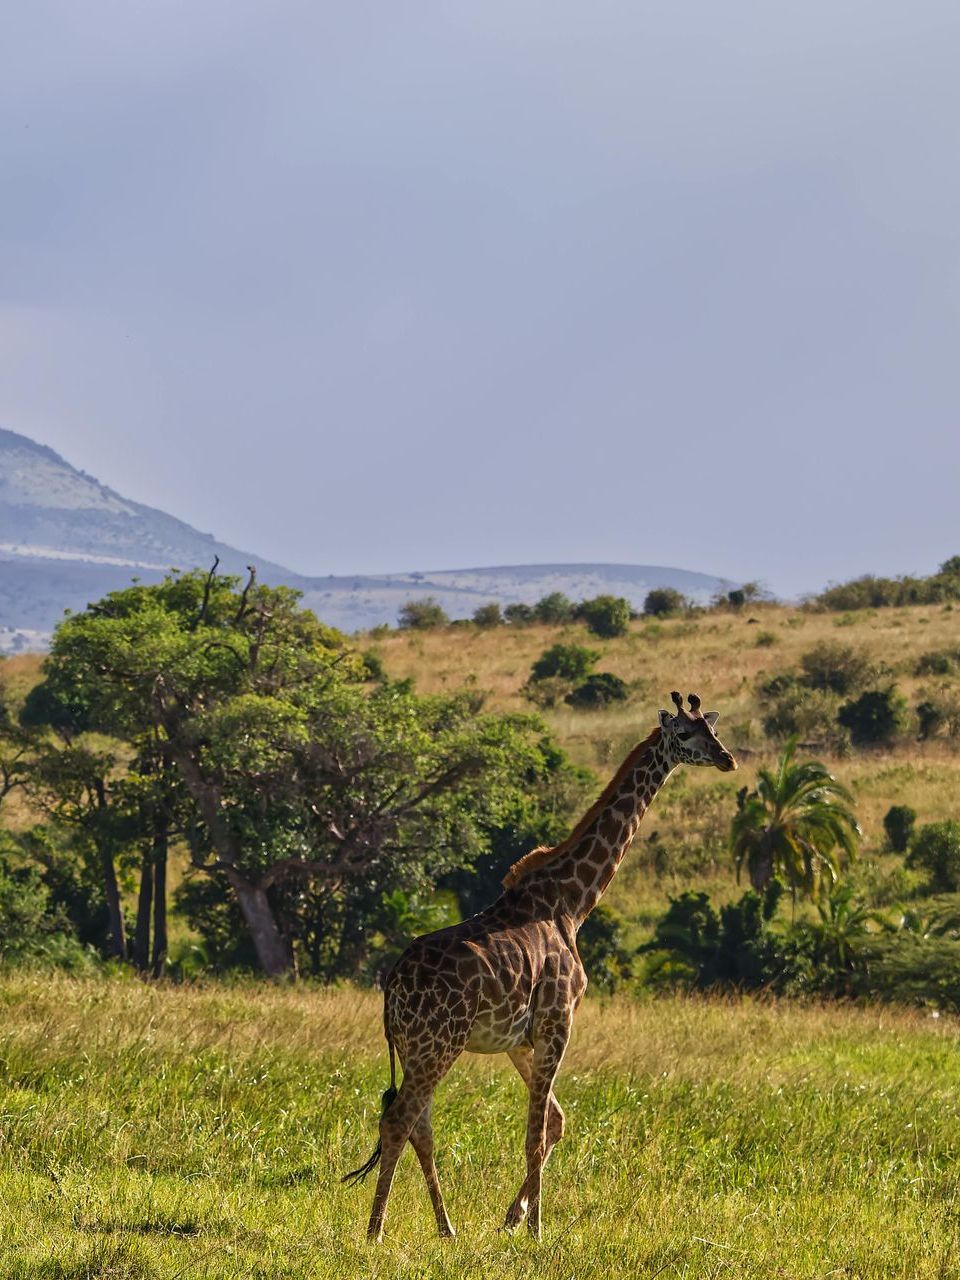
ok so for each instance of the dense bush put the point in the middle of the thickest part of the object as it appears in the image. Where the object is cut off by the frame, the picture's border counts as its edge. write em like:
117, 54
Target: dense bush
553, 609
870, 592
698, 946
598, 690
488, 615
605, 956
938, 662
810, 715
935, 849
518, 615
662, 602
898, 822
938, 714
836, 667
606, 616
877, 718
422, 615
32, 930
572, 662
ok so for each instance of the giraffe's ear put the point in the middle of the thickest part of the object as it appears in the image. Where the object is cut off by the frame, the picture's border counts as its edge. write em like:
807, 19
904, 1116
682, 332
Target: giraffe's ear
665, 718
711, 717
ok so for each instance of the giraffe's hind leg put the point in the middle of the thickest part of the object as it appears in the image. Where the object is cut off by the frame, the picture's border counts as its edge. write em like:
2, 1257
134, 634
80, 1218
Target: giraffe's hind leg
522, 1059
420, 1078
421, 1139
551, 1043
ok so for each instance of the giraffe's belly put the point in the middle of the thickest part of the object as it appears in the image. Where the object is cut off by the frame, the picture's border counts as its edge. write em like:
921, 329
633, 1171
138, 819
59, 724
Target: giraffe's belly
496, 1030
494, 1039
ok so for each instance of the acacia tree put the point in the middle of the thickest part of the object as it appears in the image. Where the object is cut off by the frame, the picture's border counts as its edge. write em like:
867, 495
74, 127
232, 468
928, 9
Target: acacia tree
297, 773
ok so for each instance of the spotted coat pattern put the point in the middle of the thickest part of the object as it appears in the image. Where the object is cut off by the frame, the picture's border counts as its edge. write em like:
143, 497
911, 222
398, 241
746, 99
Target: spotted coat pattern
509, 979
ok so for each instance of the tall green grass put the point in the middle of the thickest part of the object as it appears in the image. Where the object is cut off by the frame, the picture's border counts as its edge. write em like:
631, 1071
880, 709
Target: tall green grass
161, 1132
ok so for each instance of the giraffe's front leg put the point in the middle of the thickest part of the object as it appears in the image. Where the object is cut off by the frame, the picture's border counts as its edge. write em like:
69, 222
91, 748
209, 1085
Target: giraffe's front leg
543, 1126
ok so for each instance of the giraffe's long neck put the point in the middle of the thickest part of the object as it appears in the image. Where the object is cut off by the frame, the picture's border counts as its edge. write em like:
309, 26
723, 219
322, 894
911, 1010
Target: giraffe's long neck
585, 868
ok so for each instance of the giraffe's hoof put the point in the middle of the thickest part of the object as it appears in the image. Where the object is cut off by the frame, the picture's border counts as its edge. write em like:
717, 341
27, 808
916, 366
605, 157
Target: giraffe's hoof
447, 1232
515, 1215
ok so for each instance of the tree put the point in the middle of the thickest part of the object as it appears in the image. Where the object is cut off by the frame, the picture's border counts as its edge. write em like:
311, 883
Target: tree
794, 826
898, 822
662, 602
597, 691
876, 718
571, 662
488, 615
422, 615
553, 609
936, 849
518, 615
308, 793
605, 616
835, 667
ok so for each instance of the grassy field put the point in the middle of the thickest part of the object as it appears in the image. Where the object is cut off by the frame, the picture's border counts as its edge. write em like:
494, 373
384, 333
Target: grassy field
199, 1133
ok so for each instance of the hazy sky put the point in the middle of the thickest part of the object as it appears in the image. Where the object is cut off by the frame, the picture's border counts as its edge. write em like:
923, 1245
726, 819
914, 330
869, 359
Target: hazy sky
393, 286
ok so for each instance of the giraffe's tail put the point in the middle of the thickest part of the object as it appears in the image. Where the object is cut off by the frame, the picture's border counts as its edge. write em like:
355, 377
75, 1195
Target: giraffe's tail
357, 1175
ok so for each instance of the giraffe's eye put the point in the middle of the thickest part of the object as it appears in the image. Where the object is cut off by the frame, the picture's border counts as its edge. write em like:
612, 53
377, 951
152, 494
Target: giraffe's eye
684, 734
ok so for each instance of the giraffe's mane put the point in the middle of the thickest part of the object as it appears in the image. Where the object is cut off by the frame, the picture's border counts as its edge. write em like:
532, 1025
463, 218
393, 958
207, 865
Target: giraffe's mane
546, 853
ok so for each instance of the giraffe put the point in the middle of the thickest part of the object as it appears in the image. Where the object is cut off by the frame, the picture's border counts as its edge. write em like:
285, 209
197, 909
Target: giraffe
509, 979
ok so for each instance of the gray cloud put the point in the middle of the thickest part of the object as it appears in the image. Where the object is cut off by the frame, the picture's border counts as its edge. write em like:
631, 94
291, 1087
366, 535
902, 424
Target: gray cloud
381, 287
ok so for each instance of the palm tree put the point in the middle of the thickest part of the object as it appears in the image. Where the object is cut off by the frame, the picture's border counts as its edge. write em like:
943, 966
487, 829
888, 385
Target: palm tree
796, 824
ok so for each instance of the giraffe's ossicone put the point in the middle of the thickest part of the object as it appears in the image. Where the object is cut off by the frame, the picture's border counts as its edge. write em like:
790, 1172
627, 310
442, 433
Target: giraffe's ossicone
509, 979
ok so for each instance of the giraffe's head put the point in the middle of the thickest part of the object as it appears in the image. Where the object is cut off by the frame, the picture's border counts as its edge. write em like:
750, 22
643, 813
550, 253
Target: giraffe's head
690, 736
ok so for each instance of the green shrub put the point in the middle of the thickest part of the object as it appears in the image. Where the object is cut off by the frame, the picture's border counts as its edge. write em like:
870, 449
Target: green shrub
518, 615
938, 662
572, 662
810, 715
488, 615
939, 714
898, 822
910, 968
877, 718
601, 945
373, 668
31, 931
422, 615
935, 849
929, 718
598, 690
606, 616
662, 602
836, 667
553, 609
765, 639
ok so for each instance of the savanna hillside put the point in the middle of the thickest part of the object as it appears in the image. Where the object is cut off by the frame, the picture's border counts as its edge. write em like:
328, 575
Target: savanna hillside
728, 657
507, 727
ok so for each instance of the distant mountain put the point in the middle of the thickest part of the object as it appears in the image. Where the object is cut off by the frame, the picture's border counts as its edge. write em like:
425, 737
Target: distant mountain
66, 540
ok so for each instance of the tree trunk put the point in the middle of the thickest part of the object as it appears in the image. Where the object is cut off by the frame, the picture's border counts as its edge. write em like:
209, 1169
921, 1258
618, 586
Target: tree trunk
273, 949
118, 937
141, 938
111, 889
160, 843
